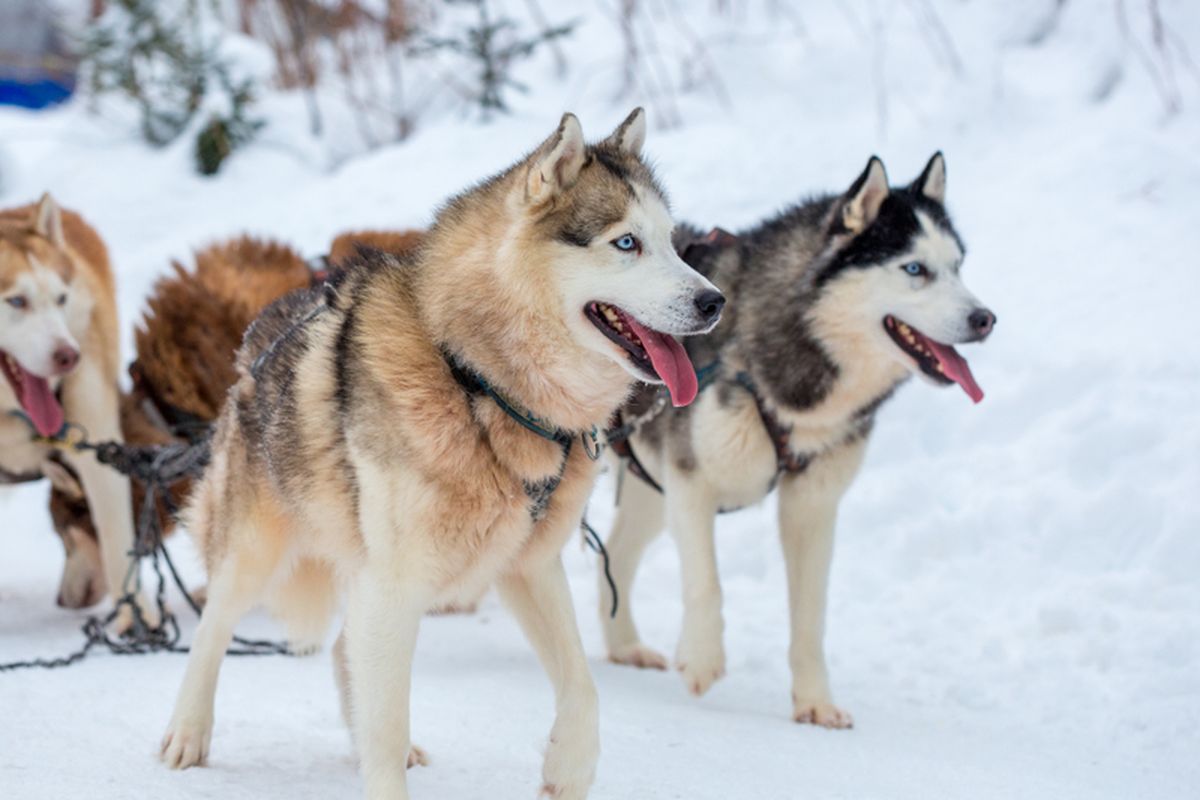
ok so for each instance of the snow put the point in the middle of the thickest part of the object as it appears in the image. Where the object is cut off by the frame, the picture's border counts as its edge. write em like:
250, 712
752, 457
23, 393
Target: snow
1014, 611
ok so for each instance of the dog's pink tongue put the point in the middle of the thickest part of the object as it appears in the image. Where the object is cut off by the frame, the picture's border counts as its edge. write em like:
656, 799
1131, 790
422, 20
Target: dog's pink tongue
39, 402
670, 361
955, 368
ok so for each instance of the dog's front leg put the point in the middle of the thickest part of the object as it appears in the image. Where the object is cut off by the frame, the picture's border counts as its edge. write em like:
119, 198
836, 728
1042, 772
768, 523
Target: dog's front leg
92, 402
691, 511
382, 618
541, 600
807, 518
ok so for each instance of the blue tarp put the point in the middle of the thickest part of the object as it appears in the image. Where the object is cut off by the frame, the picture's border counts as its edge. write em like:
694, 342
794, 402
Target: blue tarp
34, 92
36, 68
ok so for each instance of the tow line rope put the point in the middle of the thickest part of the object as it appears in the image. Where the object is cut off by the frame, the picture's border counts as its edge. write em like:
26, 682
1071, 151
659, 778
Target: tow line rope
157, 468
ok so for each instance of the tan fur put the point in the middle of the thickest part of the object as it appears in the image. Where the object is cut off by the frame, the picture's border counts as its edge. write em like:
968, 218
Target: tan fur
349, 458
195, 319
83, 582
347, 245
61, 240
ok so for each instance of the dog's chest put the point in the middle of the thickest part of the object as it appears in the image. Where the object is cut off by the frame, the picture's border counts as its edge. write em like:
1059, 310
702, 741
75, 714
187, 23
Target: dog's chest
19, 454
733, 450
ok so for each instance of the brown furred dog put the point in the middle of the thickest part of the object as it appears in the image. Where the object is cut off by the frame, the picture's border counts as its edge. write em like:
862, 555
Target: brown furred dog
59, 352
186, 343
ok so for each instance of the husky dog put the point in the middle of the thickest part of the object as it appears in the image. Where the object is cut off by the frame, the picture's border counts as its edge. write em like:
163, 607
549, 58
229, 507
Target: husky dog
60, 355
420, 428
185, 343
834, 304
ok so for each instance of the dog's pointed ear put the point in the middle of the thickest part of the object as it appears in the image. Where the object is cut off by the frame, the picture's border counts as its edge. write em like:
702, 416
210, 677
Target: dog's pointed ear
860, 204
556, 164
47, 220
932, 181
630, 135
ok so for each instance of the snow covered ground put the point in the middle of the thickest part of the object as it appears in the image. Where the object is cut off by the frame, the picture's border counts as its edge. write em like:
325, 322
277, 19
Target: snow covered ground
1015, 604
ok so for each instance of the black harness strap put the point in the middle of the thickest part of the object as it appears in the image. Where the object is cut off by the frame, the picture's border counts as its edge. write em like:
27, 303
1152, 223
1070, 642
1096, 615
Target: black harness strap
538, 492
623, 447
786, 459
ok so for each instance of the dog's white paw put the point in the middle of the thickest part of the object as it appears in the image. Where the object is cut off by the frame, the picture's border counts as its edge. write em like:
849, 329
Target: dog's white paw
186, 742
123, 622
304, 646
701, 663
638, 655
571, 758
821, 712
417, 757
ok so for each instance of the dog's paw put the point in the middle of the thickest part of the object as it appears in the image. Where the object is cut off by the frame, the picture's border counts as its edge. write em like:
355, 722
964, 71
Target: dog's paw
571, 758
305, 646
417, 757
455, 608
701, 665
563, 792
823, 713
638, 655
123, 622
186, 743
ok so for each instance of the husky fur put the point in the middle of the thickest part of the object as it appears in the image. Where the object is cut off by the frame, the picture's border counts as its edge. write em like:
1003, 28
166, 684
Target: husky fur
186, 345
348, 245
349, 457
820, 300
61, 353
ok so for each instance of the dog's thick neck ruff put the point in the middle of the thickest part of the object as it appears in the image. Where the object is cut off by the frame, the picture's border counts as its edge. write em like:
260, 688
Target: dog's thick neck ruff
474, 383
496, 312
540, 492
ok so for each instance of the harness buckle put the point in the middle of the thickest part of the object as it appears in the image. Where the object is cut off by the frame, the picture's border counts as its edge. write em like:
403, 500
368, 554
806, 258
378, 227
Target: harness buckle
596, 448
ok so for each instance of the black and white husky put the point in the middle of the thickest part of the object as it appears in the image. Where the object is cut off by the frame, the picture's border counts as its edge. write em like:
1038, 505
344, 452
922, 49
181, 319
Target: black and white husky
833, 304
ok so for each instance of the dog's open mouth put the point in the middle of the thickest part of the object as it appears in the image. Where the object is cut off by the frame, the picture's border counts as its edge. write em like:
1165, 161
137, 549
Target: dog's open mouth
35, 396
658, 355
941, 362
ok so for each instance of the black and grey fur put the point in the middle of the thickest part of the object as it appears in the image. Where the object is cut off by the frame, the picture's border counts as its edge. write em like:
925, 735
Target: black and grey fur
809, 292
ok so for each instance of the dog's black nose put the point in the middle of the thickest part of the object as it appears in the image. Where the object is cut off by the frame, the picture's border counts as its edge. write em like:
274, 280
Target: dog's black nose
709, 303
981, 321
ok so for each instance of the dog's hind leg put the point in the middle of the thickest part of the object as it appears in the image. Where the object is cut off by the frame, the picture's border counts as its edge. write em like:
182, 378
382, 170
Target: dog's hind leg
807, 517
541, 600
305, 601
237, 581
639, 519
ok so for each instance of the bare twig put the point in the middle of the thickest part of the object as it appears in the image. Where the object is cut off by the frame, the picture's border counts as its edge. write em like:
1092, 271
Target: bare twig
937, 37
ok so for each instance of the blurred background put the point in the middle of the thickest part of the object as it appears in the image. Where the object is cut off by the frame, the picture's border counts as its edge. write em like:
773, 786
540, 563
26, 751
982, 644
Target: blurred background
1015, 608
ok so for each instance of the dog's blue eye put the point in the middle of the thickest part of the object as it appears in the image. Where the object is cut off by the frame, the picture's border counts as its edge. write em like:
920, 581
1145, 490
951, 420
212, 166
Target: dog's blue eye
628, 243
61, 300
915, 269
17, 301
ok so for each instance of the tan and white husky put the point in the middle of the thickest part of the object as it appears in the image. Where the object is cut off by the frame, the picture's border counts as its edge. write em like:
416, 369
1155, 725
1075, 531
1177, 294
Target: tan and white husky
833, 304
60, 355
421, 428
